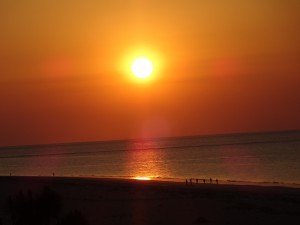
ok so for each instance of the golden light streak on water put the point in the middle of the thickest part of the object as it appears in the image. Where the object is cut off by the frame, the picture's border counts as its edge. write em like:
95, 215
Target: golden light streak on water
142, 178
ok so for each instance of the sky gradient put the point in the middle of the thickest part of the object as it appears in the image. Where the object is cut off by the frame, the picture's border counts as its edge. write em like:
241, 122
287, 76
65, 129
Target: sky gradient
219, 67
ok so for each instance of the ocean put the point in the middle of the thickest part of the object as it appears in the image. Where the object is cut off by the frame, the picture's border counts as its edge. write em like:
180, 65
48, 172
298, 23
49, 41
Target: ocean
256, 157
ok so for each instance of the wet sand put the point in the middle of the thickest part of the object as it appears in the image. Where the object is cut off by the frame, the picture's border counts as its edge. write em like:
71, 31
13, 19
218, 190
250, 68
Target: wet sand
137, 202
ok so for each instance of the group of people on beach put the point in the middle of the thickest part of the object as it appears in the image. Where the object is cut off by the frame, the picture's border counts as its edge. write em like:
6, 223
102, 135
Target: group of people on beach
197, 181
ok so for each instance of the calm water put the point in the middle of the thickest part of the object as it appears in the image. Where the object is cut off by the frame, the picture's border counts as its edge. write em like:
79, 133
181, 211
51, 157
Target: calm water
268, 157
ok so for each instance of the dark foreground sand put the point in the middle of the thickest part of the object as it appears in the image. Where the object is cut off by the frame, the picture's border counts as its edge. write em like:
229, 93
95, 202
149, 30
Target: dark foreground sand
117, 201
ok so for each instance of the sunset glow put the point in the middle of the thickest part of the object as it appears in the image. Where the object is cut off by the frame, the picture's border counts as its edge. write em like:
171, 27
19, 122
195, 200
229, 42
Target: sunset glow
146, 111
110, 70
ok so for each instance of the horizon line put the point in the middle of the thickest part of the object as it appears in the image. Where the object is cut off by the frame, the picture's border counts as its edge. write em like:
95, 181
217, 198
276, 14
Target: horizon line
150, 138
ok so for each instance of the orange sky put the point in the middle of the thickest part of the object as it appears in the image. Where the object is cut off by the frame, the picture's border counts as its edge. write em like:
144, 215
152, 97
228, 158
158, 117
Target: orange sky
219, 67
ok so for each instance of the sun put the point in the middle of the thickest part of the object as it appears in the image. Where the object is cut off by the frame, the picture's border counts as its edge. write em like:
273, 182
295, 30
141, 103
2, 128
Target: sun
142, 67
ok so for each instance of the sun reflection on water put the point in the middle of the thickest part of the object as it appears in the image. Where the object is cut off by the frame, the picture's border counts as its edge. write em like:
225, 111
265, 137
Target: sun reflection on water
142, 178
144, 161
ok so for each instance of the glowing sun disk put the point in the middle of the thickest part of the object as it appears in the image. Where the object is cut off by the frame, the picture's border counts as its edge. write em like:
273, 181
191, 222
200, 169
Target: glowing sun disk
142, 67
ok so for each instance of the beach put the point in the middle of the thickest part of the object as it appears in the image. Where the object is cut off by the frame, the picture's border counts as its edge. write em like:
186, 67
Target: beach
129, 201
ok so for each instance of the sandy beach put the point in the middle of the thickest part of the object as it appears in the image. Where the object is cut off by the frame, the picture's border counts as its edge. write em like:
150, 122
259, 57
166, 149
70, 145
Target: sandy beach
123, 201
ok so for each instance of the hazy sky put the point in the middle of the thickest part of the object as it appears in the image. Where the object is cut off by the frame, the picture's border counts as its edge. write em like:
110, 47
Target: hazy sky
219, 67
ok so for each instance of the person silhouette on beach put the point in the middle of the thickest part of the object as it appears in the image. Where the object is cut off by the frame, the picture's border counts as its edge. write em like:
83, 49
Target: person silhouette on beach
210, 180
186, 181
191, 181
197, 180
217, 181
204, 181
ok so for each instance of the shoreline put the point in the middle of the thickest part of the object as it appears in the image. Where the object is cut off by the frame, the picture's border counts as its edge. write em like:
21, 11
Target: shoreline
167, 180
200, 181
